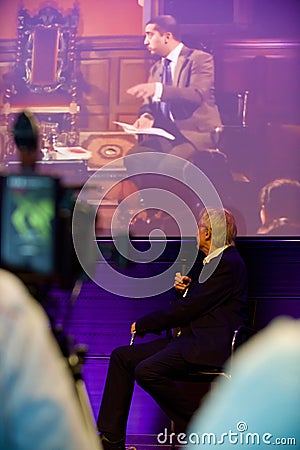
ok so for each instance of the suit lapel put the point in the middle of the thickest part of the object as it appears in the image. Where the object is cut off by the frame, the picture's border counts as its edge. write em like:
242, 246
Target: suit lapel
157, 71
181, 63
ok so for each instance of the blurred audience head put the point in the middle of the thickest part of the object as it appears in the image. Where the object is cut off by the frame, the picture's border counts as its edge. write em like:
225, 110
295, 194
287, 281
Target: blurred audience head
26, 137
280, 207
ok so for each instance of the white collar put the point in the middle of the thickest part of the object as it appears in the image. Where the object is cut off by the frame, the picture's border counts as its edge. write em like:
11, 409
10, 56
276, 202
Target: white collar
215, 253
174, 54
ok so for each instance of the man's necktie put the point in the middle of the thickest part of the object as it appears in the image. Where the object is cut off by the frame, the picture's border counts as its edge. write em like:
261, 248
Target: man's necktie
166, 78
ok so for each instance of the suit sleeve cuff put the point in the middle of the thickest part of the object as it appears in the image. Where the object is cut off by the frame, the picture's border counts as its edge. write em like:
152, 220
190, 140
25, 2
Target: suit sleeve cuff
158, 92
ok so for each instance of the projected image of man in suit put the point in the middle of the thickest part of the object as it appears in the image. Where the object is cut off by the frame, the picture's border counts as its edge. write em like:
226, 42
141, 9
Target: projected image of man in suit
178, 97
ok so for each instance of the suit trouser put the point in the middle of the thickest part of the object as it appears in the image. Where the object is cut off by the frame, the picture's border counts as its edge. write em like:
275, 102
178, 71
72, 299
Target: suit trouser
154, 366
183, 149
156, 179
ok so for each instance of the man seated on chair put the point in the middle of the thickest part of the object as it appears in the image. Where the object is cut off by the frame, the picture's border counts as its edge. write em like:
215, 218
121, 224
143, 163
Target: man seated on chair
178, 97
211, 307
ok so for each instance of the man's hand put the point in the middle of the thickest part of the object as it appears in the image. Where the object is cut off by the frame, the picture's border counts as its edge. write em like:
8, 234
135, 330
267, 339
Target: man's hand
181, 282
132, 329
143, 90
144, 121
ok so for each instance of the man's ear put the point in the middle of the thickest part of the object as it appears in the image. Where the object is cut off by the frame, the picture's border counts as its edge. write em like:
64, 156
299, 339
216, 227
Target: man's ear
208, 234
168, 35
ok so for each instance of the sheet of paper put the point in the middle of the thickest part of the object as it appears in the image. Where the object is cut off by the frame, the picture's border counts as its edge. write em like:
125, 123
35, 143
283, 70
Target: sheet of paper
131, 129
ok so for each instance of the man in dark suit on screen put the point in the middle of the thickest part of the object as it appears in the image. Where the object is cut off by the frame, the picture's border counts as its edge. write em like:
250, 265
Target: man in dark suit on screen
204, 318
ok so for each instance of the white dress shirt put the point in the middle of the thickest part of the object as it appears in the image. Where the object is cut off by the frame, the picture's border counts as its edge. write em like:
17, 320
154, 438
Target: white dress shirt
173, 57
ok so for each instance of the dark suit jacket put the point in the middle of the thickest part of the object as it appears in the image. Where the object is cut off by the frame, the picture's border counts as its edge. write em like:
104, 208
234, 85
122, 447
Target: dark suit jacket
209, 314
191, 98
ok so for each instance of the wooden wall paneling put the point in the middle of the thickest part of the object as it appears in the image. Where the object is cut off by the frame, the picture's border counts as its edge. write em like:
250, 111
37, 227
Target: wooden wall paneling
282, 88
237, 74
269, 69
132, 71
94, 91
106, 75
283, 150
113, 90
233, 76
232, 72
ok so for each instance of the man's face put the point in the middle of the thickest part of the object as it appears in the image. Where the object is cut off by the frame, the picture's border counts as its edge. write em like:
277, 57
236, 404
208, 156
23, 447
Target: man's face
156, 43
